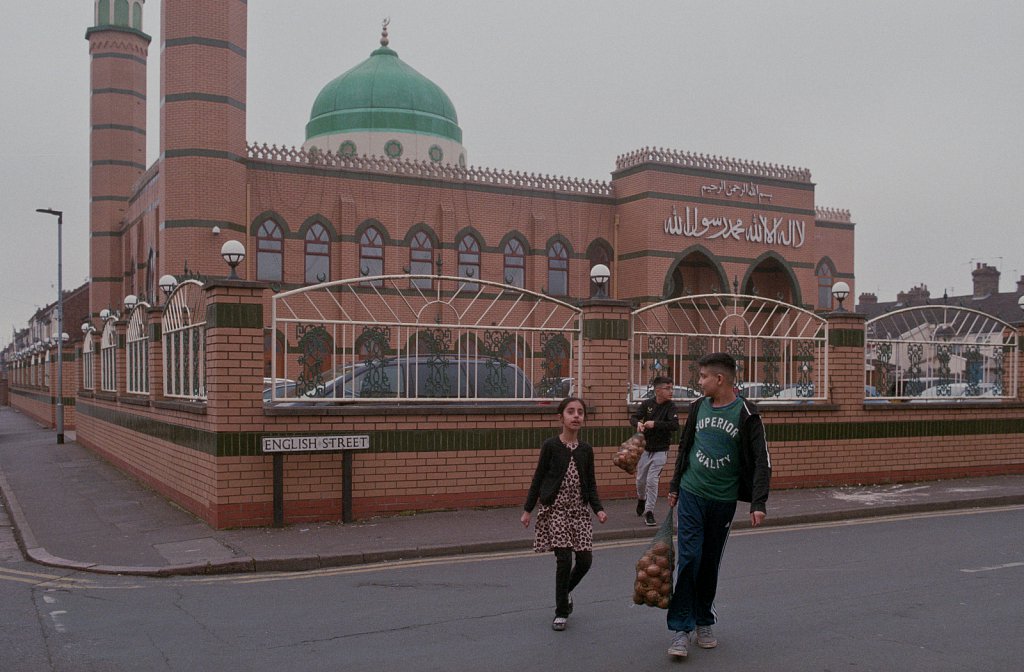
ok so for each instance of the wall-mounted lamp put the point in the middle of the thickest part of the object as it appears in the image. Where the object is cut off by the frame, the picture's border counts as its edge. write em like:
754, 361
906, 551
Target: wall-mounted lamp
215, 230
600, 275
840, 291
233, 252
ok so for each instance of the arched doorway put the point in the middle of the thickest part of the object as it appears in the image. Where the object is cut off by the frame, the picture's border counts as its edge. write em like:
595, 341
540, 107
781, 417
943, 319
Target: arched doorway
771, 278
695, 274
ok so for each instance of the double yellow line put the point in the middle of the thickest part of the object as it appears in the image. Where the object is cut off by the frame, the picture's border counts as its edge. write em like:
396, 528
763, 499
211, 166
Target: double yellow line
41, 580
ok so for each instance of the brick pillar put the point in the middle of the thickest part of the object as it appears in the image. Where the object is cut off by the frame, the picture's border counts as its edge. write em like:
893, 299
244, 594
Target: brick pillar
1020, 360
234, 354
606, 355
155, 350
120, 364
846, 360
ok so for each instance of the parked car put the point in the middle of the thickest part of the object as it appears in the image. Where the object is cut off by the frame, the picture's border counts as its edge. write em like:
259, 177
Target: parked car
954, 392
285, 387
639, 393
422, 377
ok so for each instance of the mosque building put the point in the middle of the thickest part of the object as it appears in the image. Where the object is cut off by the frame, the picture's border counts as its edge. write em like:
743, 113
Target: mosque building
382, 185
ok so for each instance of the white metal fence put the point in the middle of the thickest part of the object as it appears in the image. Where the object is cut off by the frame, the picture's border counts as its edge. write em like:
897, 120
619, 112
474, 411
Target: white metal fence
781, 350
184, 339
108, 356
88, 357
136, 364
936, 353
423, 338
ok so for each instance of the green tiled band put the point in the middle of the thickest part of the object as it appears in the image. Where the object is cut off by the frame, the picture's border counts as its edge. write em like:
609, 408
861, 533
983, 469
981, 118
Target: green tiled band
606, 330
234, 316
846, 338
230, 444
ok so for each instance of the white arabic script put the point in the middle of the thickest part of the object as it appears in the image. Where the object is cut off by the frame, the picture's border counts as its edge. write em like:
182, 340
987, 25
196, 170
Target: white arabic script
765, 229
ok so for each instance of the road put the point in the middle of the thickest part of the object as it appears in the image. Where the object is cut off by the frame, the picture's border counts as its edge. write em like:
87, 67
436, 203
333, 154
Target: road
918, 593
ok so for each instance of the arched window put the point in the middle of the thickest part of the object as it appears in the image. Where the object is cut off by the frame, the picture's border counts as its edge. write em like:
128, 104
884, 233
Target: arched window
558, 270
515, 263
137, 16
371, 254
318, 254
269, 251
103, 13
469, 260
121, 13
421, 259
151, 277
824, 273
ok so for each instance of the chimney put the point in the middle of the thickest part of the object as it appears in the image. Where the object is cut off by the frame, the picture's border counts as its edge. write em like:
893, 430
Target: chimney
1020, 285
916, 296
986, 280
870, 299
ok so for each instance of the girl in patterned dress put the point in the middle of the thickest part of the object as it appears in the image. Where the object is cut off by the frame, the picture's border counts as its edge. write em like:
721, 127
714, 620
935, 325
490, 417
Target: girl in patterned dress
564, 484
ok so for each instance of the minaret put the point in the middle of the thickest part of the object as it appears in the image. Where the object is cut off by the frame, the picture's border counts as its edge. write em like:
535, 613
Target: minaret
118, 49
202, 133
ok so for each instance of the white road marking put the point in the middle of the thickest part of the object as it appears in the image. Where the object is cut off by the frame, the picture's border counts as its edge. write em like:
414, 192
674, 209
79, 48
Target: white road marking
57, 625
992, 569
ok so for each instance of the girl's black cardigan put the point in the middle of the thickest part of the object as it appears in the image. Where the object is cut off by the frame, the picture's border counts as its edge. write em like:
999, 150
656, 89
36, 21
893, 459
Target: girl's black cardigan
551, 468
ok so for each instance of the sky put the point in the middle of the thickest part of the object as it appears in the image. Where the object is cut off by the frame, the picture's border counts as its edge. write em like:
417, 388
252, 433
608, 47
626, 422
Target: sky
908, 114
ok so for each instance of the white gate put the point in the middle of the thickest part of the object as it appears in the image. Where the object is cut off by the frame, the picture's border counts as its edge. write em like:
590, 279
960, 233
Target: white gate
781, 350
423, 338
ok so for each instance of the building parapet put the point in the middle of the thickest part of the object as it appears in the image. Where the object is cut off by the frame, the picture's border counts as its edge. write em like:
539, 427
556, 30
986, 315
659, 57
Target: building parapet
709, 162
832, 215
424, 169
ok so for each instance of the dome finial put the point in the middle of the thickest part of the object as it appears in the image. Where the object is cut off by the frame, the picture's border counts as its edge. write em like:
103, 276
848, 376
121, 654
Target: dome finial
384, 32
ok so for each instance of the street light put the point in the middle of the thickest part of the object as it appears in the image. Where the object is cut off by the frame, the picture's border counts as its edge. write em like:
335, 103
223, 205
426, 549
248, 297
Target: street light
840, 291
167, 284
233, 252
60, 321
600, 275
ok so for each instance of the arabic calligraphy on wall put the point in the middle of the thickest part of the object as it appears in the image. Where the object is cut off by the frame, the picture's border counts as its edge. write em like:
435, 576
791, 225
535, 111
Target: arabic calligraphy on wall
736, 190
765, 229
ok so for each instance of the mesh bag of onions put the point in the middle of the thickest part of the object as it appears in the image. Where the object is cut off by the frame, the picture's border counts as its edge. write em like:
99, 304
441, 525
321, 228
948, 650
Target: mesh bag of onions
653, 584
629, 453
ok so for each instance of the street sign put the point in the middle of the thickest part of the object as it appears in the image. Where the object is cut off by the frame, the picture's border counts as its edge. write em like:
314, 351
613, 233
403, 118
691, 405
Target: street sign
308, 444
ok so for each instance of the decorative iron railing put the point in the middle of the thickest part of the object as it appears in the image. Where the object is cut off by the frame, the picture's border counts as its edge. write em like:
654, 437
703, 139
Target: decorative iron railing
936, 353
423, 338
108, 356
781, 350
136, 365
88, 357
184, 338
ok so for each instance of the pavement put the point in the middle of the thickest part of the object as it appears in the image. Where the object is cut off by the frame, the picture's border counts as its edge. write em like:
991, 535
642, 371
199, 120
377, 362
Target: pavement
69, 508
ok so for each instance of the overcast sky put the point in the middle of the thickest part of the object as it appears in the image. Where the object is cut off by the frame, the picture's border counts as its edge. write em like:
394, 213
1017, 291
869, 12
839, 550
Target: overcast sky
908, 113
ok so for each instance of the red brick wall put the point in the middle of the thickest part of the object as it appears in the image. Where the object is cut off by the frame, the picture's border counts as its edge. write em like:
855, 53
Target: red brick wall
232, 491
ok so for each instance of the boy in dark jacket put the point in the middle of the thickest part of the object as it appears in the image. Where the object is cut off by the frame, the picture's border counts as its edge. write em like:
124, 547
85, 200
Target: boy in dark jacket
723, 457
658, 420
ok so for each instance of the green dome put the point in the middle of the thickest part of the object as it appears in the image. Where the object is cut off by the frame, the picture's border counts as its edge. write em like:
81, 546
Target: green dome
383, 94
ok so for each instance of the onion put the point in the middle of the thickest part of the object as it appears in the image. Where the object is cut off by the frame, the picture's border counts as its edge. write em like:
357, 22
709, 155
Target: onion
662, 561
660, 548
663, 603
653, 570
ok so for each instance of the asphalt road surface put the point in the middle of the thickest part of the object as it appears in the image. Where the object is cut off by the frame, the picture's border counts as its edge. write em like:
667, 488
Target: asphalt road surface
927, 592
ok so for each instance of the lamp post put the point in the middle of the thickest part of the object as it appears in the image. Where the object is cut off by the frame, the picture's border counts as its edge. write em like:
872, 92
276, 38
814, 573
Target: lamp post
60, 322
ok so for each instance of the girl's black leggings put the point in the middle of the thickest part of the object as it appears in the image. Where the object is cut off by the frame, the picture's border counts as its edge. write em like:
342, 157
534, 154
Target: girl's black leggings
568, 576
